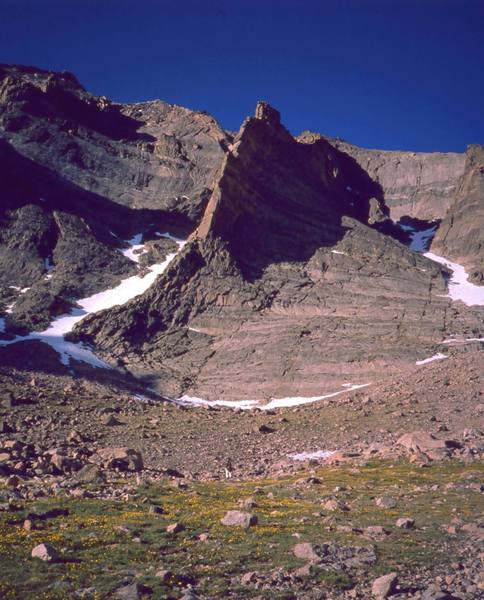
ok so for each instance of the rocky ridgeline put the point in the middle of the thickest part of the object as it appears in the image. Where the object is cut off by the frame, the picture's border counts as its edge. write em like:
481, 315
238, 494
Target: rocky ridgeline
283, 289
79, 175
292, 282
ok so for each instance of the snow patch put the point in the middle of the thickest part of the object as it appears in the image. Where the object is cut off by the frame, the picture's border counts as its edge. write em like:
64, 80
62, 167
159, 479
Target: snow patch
273, 403
135, 248
459, 287
456, 341
319, 454
300, 400
127, 290
194, 401
19, 290
438, 356
338, 252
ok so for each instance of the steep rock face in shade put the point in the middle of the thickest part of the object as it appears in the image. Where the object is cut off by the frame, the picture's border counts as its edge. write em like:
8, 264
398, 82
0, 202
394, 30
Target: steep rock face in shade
461, 234
282, 290
55, 242
150, 155
422, 185
79, 174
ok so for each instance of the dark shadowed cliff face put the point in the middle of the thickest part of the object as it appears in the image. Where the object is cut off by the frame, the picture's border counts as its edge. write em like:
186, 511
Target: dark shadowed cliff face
299, 307
79, 175
461, 234
445, 187
150, 155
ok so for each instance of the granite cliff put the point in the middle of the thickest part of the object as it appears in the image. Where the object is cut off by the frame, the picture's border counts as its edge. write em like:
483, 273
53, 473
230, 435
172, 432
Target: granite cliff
79, 175
461, 233
283, 290
295, 278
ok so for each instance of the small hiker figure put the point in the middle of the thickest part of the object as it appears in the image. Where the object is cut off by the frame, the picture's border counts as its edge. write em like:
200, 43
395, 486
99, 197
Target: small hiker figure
228, 469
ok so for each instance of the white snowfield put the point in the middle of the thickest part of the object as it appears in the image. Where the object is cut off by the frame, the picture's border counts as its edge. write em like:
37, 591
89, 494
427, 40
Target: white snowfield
299, 400
127, 290
459, 341
317, 455
459, 286
194, 401
273, 403
438, 356
136, 248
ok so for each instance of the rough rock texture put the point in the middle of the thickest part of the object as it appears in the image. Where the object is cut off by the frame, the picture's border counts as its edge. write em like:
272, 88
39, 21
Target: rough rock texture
237, 518
79, 175
148, 155
422, 185
460, 236
283, 291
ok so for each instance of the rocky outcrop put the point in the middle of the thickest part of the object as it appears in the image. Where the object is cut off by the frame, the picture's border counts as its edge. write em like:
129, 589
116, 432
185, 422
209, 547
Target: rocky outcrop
276, 199
421, 185
460, 236
79, 175
150, 155
283, 290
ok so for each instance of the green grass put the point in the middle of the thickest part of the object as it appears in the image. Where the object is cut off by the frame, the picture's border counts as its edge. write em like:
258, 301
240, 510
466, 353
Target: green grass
99, 533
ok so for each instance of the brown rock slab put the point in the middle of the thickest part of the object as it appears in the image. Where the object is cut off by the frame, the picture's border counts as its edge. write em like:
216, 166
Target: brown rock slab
45, 552
384, 586
237, 518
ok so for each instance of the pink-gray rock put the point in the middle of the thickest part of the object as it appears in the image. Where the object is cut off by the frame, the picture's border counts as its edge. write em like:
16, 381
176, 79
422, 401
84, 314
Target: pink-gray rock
237, 518
175, 528
384, 586
405, 523
45, 552
307, 551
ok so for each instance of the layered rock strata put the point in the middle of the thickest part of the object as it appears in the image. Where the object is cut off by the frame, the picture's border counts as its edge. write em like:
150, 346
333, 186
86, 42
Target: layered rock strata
283, 290
79, 175
421, 185
461, 233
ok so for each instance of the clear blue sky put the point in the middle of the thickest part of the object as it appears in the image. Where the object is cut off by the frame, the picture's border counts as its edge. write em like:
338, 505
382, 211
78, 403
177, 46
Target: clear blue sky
394, 74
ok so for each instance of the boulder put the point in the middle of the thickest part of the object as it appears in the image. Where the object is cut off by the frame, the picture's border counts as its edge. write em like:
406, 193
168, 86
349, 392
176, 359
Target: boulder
385, 502
384, 586
124, 459
421, 441
307, 551
45, 552
175, 528
237, 518
405, 523
132, 591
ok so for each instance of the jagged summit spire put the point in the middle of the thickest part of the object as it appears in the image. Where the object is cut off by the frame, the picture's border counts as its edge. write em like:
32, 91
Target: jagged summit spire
265, 112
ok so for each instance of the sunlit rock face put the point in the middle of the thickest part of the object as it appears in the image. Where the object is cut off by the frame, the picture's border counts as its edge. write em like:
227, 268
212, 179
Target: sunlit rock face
283, 290
421, 185
461, 233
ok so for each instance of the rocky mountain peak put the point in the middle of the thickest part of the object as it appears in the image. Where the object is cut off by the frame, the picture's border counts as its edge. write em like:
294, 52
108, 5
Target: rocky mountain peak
265, 112
275, 198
